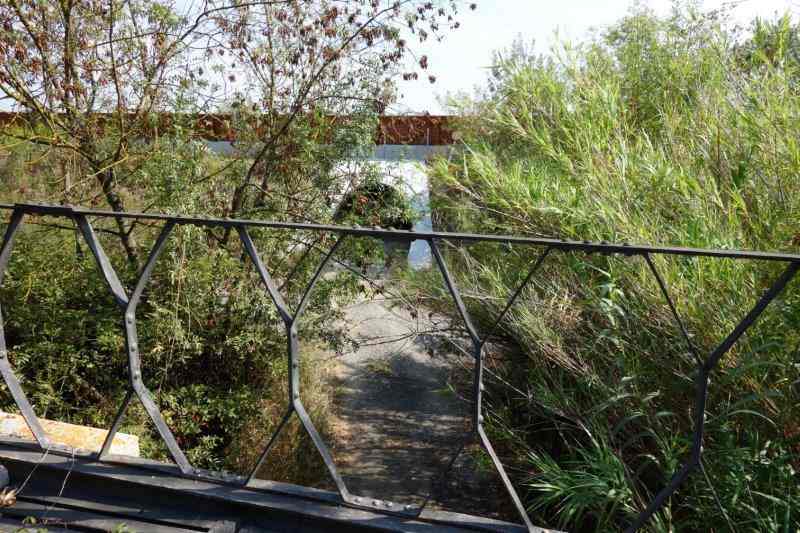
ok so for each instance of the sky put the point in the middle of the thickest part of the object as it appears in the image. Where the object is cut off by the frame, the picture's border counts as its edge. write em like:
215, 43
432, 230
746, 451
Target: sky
460, 61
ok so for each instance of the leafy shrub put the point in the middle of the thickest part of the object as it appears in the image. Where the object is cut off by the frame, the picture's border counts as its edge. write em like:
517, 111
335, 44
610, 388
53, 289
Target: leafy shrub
213, 347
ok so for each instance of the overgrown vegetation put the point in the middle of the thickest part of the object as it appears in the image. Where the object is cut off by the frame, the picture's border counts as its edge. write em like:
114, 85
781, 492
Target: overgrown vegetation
682, 131
111, 105
679, 130
213, 347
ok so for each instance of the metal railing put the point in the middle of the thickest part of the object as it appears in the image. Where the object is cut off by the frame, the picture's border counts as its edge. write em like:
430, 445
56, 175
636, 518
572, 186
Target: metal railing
127, 304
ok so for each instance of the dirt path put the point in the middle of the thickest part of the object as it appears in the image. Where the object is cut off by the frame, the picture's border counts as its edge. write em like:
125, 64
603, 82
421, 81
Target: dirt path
396, 423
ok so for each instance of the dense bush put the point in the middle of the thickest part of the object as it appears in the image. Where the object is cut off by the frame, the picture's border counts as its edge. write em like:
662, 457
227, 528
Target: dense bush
672, 131
213, 346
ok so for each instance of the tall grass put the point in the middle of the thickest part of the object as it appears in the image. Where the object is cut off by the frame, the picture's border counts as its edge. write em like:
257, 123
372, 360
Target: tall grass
677, 130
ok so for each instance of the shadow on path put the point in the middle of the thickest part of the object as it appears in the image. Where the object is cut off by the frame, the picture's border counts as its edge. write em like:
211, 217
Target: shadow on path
398, 420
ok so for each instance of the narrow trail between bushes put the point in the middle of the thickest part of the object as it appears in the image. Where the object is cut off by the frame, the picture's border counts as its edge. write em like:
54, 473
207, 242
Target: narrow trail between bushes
397, 421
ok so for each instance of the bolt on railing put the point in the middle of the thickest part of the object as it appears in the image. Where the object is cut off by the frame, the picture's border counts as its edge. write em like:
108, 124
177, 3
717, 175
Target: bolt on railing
127, 307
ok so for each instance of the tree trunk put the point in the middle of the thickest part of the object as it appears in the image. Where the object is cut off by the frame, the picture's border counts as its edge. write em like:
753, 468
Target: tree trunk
106, 179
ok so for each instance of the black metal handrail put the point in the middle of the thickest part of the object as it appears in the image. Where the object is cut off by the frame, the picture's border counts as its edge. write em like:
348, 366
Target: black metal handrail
127, 304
